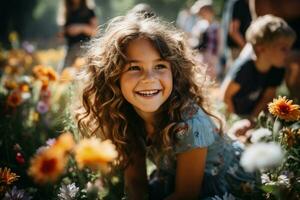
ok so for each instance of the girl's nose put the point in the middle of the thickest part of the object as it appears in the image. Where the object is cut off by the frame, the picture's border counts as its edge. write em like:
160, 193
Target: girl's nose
149, 76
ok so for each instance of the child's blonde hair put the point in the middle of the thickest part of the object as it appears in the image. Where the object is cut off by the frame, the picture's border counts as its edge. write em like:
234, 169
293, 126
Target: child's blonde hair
104, 110
267, 29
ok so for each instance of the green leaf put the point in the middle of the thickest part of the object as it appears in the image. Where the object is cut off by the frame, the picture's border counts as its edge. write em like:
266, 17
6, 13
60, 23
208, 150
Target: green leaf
272, 189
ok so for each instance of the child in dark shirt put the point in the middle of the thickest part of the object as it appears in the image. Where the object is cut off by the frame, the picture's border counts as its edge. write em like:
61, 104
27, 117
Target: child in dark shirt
253, 79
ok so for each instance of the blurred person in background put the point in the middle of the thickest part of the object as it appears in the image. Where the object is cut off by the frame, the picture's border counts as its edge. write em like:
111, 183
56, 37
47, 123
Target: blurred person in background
236, 18
289, 10
186, 20
240, 21
78, 22
205, 35
252, 81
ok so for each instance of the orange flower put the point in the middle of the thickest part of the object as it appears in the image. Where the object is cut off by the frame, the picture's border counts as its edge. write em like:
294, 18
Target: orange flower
7, 177
44, 72
94, 154
14, 99
65, 142
47, 165
51, 74
24, 87
284, 109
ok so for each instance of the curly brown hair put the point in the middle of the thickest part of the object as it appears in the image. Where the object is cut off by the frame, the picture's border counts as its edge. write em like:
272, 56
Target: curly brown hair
104, 111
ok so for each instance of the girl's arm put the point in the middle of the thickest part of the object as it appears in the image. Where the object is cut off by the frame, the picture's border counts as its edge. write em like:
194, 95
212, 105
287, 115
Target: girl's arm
136, 184
189, 174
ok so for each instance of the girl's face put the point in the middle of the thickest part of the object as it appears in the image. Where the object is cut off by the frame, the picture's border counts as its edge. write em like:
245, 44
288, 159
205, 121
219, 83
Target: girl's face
146, 81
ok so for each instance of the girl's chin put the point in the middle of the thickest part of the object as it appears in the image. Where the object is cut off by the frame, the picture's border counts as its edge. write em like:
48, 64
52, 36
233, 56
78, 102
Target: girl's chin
147, 110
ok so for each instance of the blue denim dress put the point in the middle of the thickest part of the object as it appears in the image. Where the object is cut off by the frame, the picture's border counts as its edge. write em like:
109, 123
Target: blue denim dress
223, 174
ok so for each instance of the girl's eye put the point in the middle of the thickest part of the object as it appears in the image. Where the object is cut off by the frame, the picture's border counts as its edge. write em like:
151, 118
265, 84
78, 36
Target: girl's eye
133, 68
160, 66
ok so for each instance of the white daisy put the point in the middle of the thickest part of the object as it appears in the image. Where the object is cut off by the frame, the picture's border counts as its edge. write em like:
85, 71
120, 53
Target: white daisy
261, 156
68, 192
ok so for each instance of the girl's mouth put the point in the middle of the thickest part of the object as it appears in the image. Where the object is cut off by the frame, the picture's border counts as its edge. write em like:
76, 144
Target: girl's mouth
147, 93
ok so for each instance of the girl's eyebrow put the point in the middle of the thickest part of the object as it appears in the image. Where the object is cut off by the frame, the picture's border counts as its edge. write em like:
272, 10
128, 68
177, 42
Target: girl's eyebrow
140, 61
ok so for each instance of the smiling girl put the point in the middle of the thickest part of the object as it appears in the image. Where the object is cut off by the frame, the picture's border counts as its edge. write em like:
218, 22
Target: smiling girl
143, 92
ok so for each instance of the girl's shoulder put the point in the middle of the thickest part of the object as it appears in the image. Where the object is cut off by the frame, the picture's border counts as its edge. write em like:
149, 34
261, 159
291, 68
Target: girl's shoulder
196, 130
195, 113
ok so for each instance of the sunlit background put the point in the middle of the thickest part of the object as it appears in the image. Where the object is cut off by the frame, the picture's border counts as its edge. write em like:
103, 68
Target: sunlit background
35, 20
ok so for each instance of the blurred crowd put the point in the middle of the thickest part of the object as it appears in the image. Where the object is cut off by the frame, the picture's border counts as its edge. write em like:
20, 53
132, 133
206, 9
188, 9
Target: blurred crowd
251, 51
221, 42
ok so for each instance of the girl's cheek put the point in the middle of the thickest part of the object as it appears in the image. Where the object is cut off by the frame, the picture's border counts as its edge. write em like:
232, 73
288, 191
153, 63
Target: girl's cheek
132, 75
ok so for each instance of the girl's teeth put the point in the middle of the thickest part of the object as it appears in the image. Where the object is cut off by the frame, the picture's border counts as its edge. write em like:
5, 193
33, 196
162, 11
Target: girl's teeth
148, 93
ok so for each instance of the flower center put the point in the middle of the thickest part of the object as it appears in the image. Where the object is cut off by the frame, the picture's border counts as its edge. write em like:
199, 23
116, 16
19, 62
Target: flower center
284, 109
48, 166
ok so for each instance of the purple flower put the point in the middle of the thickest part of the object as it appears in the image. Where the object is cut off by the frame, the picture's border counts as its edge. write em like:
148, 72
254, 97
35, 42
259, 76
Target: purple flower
42, 107
28, 47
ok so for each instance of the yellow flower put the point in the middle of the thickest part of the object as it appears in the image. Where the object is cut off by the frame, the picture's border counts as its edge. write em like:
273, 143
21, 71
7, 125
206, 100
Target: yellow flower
65, 142
47, 165
7, 177
34, 116
10, 84
95, 154
284, 109
289, 136
13, 36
